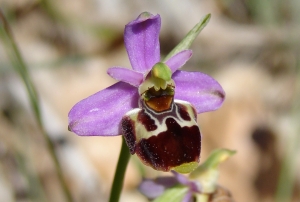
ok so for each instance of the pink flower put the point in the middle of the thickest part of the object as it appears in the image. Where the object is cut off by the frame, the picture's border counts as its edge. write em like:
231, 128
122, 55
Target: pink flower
101, 114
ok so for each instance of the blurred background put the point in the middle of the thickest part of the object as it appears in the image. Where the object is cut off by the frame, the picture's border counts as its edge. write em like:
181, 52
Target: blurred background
252, 47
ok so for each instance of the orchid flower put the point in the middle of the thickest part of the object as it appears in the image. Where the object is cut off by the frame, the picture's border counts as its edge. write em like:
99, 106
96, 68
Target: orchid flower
200, 186
153, 105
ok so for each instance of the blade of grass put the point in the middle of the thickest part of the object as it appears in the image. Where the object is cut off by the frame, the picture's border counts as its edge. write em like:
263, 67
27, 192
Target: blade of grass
21, 68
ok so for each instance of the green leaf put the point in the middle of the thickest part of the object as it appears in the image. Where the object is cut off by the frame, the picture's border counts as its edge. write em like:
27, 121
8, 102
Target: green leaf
207, 173
175, 194
214, 159
186, 167
190, 37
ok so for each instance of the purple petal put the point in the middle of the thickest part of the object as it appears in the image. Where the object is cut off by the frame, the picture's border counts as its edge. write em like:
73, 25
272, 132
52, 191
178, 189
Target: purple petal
154, 188
178, 60
141, 38
101, 113
182, 179
188, 197
126, 75
201, 90
195, 186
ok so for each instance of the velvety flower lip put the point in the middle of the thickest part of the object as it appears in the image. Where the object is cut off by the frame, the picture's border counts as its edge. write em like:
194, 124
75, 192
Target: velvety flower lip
100, 114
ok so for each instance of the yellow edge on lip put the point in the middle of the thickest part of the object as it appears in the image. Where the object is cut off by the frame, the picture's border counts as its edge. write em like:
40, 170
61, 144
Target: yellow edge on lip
186, 167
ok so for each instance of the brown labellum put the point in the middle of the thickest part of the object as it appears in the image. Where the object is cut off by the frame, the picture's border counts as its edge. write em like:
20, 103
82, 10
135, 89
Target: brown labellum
163, 133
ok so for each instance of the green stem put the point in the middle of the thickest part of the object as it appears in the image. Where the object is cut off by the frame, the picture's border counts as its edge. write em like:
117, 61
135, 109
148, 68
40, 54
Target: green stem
21, 68
120, 173
58, 169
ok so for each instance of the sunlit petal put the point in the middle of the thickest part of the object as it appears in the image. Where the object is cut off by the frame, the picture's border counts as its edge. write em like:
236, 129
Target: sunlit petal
126, 75
178, 60
201, 90
154, 188
100, 114
141, 39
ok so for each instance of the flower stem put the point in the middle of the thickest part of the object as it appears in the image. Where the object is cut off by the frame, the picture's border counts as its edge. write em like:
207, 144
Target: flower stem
120, 173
